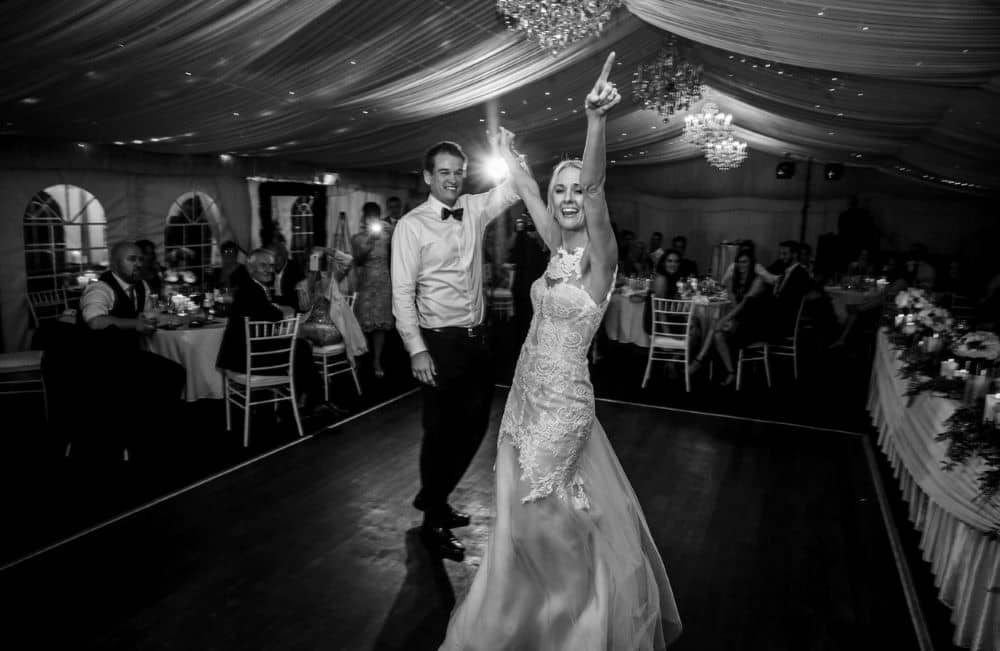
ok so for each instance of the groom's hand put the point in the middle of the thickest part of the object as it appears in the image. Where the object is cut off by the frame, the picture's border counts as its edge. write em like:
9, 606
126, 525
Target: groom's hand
423, 368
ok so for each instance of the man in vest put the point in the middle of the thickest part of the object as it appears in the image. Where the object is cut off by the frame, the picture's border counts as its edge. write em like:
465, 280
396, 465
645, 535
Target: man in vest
111, 310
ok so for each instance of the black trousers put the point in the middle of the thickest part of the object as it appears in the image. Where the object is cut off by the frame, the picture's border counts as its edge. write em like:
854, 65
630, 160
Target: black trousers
456, 414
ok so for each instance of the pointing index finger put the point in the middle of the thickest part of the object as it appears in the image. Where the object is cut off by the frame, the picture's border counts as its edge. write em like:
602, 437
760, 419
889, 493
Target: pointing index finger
610, 61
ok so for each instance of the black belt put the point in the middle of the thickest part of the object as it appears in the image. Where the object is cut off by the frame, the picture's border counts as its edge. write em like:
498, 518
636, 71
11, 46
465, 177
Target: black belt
467, 332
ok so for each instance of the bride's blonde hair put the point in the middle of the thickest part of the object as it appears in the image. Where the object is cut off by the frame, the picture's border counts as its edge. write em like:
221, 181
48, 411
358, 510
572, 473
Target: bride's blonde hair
570, 162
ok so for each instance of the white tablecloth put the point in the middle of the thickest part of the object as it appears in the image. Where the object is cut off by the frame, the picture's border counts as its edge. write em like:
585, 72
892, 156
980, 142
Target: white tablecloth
196, 349
954, 526
623, 320
841, 298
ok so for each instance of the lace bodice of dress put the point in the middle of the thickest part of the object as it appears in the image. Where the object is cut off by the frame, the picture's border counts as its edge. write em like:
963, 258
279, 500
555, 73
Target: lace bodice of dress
550, 411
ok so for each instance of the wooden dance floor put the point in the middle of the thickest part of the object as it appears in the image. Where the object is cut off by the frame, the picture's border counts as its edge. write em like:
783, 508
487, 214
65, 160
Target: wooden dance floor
771, 534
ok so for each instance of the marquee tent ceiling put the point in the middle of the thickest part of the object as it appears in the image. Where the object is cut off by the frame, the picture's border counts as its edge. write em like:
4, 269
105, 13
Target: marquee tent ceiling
908, 87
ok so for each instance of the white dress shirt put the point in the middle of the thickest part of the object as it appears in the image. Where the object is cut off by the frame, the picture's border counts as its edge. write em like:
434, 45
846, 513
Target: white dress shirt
437, 265
98, 298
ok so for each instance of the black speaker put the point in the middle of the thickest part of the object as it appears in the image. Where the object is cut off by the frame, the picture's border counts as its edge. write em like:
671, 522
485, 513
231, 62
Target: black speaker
784, 170
833, 171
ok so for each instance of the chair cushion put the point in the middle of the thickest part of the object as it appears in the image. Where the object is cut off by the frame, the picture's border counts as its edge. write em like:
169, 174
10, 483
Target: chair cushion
663, 341
331, 349
501, 292
257, 380
27, 360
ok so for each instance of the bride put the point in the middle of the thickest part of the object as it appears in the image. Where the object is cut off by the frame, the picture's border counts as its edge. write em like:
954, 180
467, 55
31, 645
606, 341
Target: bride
570, 562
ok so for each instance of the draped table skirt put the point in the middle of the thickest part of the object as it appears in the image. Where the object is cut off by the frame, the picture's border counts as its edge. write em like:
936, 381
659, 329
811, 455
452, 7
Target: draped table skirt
958, 531
196, 349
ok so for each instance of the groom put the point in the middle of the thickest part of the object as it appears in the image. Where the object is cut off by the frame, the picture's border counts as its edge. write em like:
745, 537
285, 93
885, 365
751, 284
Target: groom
437, 299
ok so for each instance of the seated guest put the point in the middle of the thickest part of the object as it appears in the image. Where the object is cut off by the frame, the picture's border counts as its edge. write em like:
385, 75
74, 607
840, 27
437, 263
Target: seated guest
748, 320
253, 301
791, 287
664, 284
668, 274
785, 257
862, 266
233, 273
150, 270
111, 312
330, 319
688, 267
287, 274
747, 246
655, 250
920, 272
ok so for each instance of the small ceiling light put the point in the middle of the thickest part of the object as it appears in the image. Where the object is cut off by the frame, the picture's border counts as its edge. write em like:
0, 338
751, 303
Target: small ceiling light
225, 158
187, 74
137, 142
30, 101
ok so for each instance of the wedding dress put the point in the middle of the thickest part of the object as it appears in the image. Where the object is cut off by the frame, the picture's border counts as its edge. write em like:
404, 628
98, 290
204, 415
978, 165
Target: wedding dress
570, 562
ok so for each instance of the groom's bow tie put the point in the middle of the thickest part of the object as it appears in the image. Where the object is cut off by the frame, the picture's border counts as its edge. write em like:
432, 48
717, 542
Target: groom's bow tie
456, 213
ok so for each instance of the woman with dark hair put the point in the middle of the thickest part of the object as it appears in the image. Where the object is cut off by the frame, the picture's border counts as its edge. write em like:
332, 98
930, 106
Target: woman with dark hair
668, 274
372, 250
745, 323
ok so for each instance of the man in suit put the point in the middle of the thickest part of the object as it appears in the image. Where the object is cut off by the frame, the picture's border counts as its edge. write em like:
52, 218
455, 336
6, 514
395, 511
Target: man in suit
437, 299
785, 257
287, 275
253, 300
111, 313
789, 289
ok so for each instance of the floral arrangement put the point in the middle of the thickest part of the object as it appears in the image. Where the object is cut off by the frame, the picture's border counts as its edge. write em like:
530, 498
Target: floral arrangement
926, 338
937, 319
979, 344
969, 437
912, 299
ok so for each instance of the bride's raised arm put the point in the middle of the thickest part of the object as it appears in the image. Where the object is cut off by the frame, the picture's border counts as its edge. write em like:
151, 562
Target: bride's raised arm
527, 188
603, 247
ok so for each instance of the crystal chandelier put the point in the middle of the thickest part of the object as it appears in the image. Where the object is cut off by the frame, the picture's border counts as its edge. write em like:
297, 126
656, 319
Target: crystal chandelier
726, 154
557, 23
667, 84
708, 126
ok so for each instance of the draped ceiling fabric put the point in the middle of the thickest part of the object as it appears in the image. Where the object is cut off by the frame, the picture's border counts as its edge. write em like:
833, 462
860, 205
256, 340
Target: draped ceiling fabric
907, 87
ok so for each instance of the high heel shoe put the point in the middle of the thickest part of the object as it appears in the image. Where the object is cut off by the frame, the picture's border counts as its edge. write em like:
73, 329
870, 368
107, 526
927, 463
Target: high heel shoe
729, 380
694, 367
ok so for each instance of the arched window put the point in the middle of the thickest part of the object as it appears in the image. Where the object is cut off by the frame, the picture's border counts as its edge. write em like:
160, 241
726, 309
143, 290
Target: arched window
302, 227
64, 237
189, 239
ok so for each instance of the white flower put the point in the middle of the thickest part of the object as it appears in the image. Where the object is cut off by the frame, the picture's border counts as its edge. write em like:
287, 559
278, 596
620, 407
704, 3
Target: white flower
937, 319
188, 276
981, 344
171, 276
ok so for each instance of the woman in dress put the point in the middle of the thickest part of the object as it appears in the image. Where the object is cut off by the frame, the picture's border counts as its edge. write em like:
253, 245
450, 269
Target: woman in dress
570, 562
330, 320
745, 323
372, 252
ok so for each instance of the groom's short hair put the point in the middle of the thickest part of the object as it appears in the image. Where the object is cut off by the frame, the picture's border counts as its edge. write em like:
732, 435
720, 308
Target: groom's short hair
443, 147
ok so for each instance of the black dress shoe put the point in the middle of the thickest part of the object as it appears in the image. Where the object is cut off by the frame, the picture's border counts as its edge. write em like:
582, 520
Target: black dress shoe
442, 542
450, 518
456, 519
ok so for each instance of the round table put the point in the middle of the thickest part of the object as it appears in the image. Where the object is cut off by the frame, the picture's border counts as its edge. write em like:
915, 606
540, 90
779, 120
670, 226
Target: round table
841, 298
196, 349
623, 319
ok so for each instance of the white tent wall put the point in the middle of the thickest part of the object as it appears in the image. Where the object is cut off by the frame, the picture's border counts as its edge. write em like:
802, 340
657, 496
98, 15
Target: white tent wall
135, 205
707, 206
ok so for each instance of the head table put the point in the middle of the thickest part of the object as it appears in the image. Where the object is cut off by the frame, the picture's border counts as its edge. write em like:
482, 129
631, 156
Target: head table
958, 532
